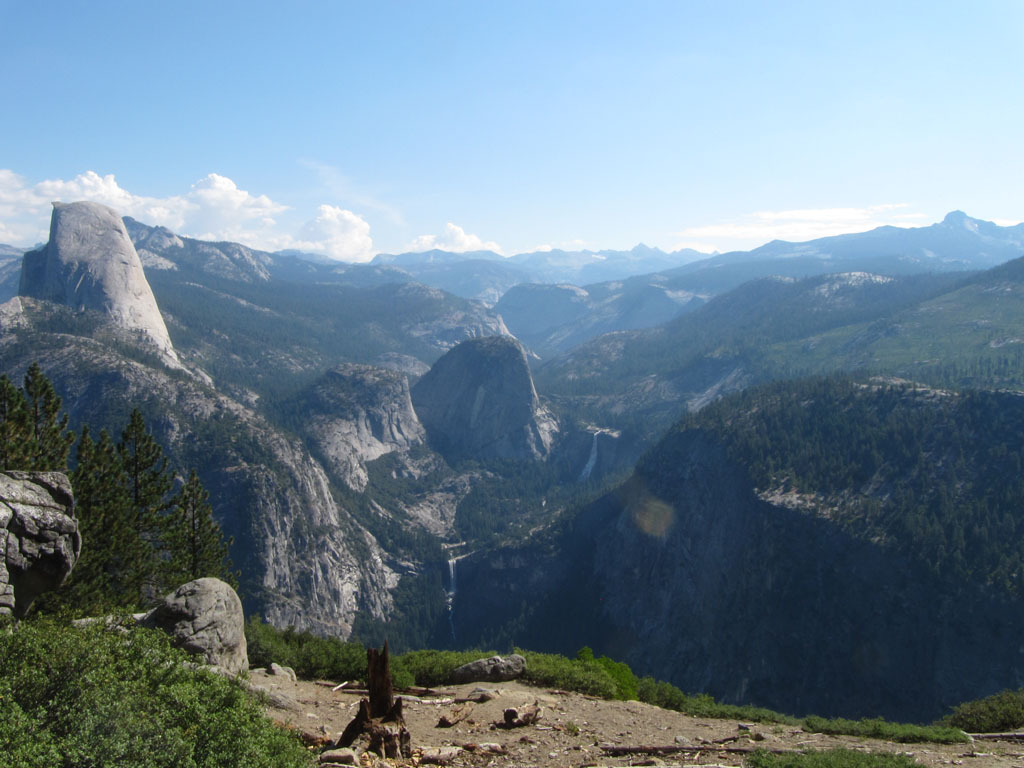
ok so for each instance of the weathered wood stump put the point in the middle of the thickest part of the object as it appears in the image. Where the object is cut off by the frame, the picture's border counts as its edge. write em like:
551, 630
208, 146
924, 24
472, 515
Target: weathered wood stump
379, 718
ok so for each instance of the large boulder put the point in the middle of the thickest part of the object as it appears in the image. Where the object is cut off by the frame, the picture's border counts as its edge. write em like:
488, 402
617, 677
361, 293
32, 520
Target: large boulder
478, 401
90, 263
205, 616
39, 538
493, 669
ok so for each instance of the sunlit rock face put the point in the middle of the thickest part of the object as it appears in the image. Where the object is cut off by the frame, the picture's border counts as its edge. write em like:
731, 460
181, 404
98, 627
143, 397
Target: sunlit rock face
39, 539
90, 263
478, 401
358, 413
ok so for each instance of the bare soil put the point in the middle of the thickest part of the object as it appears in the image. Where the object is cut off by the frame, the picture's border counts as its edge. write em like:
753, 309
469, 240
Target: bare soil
574, 729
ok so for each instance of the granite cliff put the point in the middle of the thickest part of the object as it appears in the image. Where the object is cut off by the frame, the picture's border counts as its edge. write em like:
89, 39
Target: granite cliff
478, 401
358, 413
90, 263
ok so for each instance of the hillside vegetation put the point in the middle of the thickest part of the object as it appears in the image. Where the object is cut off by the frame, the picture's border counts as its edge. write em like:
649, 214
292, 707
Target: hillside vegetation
931, 474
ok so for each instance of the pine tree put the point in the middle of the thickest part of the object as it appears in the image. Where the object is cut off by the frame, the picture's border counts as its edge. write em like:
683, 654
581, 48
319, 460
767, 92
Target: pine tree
50, 437
15, 430
103, 578
195, 544
147, 482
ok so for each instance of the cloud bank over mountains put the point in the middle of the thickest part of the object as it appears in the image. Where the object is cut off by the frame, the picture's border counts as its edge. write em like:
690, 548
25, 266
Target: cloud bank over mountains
454, 239
214, 208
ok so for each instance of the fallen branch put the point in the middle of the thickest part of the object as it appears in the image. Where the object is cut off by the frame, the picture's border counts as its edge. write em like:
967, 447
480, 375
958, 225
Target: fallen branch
517, 718
1012, 736
457, 715
611, 749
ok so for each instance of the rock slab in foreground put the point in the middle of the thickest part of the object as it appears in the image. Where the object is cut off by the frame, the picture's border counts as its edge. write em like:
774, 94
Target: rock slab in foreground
494, 669
39, 538
205, 616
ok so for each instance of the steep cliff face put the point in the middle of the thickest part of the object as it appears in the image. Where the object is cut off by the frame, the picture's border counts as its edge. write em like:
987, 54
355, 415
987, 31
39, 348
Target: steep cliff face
90, 263
358, 413
304, 559
686, 574
479, 401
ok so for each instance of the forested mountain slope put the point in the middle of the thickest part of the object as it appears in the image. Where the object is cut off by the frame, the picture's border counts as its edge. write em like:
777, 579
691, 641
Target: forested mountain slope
827, 545
648, 378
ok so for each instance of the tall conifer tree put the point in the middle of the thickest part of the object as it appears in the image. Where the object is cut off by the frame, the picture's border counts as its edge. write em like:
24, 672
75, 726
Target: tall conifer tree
194, 540
50, 435
103, 578
148, 483
15, 430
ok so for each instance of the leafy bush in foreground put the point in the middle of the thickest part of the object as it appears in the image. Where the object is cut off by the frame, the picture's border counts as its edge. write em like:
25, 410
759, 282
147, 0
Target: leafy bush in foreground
997, 713
94, 697
877, 728
832, 758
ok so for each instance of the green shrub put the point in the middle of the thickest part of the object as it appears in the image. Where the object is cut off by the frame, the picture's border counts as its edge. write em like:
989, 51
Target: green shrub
668, 696
550, 670
311, 656
430, 668
1000, 712
832, 758
877, 728
96, 697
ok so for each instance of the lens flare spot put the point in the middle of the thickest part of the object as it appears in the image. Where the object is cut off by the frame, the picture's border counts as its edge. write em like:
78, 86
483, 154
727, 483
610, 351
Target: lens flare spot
652, 515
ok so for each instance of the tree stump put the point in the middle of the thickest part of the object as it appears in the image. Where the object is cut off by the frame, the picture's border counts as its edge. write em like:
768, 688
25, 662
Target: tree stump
379, 718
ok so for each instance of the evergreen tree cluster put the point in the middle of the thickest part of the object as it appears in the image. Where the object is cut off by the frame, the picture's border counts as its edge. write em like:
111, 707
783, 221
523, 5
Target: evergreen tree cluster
144, 531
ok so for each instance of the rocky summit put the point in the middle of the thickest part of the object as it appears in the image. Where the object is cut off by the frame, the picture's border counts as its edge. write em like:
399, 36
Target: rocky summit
90, 263
479, 401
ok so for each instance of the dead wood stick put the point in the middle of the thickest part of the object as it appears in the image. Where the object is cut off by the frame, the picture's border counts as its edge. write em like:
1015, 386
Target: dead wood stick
457, 715
1012, 736
673, 748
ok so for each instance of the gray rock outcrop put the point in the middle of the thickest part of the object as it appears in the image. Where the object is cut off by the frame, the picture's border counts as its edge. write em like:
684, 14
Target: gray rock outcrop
39, 539
90, 263
359, 413
205, 616
478, 401
493, 669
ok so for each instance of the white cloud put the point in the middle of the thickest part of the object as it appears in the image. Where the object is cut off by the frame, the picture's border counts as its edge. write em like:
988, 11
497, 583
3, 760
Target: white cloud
338, 233
214, 208
797, 225
454, 239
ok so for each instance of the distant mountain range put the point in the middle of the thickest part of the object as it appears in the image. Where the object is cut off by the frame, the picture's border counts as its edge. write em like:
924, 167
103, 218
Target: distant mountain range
599, 291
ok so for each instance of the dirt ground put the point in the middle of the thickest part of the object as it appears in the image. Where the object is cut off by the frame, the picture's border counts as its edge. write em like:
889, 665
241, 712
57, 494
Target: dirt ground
573, 730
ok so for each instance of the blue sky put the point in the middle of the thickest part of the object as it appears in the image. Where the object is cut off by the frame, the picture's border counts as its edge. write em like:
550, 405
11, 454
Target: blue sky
352, 128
